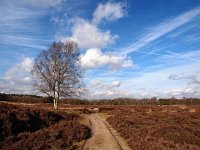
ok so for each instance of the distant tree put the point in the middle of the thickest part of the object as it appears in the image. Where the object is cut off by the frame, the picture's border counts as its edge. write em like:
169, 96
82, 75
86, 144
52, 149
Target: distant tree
57, 73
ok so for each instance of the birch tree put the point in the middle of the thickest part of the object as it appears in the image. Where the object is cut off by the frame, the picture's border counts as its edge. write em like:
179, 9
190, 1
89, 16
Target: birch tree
57, 73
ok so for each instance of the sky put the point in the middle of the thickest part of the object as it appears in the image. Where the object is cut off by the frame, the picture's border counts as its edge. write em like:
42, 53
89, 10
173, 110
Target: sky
130, 48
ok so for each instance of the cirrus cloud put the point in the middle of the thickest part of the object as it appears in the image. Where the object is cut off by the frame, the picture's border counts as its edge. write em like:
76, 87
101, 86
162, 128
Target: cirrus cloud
43, 3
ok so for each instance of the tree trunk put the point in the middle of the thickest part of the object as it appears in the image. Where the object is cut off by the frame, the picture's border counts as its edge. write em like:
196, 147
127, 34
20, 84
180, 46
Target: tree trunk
55, 103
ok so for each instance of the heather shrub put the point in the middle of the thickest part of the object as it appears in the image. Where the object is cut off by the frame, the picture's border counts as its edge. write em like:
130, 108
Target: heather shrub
29, 128
175, 128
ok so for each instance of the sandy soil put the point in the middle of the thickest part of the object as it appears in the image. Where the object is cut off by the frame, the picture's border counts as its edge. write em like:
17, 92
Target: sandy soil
104, 136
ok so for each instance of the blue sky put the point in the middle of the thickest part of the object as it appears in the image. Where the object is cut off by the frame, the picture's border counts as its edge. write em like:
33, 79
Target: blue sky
128, 48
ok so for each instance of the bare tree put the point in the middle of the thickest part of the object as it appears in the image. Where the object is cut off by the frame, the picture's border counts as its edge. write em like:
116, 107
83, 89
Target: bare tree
57, 73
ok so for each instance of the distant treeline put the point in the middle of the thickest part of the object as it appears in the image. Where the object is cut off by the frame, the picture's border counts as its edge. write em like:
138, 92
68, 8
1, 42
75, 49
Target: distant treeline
131, 101
24, 98
118, 101
146, 101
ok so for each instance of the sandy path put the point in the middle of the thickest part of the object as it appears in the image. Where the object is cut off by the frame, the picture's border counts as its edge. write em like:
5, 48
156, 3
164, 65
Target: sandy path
104, 136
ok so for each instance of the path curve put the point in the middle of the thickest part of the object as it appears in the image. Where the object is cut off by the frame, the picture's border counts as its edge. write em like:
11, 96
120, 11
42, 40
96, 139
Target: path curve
104, 136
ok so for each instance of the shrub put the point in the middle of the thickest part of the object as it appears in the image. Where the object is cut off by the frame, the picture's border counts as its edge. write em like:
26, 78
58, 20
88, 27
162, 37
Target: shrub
30, 128
164, 127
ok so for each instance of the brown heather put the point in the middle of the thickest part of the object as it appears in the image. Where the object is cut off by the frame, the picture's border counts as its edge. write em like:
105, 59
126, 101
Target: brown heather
158, 127
30, 128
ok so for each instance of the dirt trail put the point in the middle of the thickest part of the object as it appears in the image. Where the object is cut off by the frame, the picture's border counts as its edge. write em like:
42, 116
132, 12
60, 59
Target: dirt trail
104, 136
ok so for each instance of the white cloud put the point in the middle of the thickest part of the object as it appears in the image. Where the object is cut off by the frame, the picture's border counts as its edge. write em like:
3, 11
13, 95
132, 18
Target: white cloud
18, 78
167, 93
182, 91
88, 35
103, 85
94, 58
20, 71
115, 83
168, 82
144, 93
150, 83
190, 78
100, 89
162, 29
108, 12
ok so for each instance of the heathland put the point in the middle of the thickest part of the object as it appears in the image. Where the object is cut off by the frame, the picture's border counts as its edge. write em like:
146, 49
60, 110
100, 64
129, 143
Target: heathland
29, 122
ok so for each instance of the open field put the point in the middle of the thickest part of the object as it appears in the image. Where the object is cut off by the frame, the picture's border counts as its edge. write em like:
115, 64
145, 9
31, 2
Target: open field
31, 127
158, 127
36, 126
